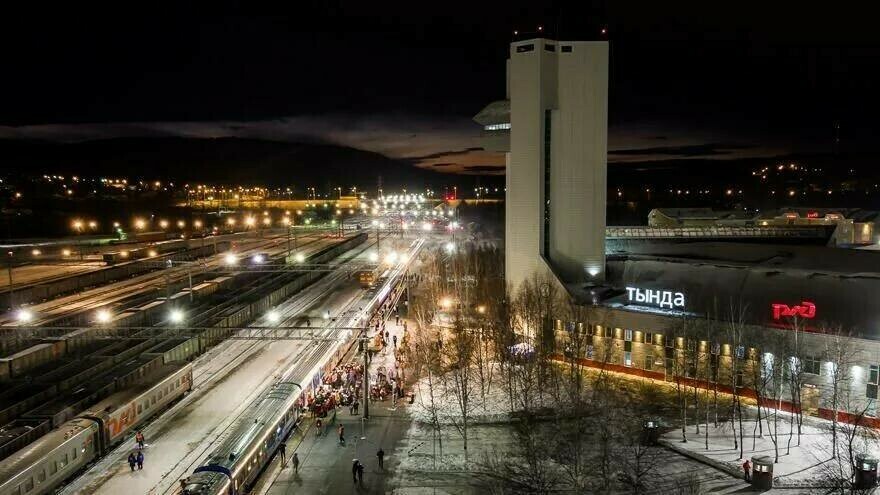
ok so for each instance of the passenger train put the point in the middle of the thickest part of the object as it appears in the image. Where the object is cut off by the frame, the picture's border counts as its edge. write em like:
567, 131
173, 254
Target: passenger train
233, 467
46, 463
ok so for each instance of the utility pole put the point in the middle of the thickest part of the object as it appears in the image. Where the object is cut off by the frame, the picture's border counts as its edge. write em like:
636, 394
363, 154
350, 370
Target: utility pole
366, 376
9, 266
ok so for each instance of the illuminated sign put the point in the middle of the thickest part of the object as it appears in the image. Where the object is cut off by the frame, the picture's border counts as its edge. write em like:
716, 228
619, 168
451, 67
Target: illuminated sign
812, 214
656, 297
805, 309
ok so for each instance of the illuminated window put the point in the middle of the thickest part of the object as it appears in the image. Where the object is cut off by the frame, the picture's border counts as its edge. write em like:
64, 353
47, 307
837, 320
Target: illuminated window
628, 335
627, 359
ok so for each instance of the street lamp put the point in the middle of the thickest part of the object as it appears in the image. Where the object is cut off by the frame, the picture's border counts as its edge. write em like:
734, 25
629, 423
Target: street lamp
163, 224
175, 316
140, 224
103, 316
273, 317
24, 316
299, 257
230, 259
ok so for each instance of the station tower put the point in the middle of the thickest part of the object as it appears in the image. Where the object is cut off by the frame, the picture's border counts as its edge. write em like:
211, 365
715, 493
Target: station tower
553, 127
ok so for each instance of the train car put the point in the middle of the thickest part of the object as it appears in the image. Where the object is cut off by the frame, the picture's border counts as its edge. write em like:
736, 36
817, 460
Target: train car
122, 411
45, 463
236, 463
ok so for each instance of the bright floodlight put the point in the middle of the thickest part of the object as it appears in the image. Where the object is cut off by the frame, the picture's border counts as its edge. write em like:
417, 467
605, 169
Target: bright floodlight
426, 226
259, 258
24, 315
230, 259
299, 257
102, 316
450, 247
375, 223
249, 221
391, 257
273, 317
374, 257
327, 315
445, 302
176, 316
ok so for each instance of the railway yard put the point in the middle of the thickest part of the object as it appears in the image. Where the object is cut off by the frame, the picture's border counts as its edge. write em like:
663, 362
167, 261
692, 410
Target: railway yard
92, 352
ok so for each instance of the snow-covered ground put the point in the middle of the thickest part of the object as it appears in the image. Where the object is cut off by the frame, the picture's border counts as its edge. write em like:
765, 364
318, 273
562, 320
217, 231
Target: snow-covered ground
801, 466
489, 404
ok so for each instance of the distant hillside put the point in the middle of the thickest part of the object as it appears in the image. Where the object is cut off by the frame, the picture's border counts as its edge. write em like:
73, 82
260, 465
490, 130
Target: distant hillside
220, 159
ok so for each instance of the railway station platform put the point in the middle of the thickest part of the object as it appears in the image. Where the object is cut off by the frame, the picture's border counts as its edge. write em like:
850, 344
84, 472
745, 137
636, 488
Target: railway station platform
325, 466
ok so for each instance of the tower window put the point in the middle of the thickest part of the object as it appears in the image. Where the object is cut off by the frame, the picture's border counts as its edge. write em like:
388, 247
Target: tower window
566, 48
525, 48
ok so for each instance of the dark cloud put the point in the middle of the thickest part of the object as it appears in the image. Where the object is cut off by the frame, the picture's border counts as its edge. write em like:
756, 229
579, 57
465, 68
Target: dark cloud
444, 154
484, 168
685, 151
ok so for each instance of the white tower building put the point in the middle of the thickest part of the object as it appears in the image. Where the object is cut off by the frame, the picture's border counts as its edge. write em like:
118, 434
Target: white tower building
557, 159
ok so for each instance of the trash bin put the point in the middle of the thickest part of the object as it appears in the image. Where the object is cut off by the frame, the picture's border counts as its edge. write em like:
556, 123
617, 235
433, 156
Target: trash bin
866, 471
650, 432
762, 472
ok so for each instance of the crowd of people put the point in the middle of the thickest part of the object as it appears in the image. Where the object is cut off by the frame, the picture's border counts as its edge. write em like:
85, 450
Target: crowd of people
339, 388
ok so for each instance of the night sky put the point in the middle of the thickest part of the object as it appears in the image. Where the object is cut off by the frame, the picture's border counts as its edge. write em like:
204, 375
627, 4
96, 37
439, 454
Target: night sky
688, 79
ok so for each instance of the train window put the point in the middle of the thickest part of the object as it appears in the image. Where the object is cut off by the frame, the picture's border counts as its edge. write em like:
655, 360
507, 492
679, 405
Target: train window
53, 468
41, 476
140, 408
28, 485
74, 453
63, 461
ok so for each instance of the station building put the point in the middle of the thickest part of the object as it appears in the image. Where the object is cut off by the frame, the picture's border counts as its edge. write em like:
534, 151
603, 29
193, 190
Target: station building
720, 300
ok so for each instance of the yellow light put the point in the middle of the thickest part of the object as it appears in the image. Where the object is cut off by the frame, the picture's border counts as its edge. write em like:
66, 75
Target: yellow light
230, 221
123, 254
267, 221
285, 220
36, 252
65, 252
93, 224
249, 221
445, 302
140, 224
152, 253
163, 223
481, 309
197, 224
181, 224
77, 224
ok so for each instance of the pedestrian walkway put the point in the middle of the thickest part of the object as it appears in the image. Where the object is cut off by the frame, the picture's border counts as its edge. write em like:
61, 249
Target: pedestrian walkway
325, 465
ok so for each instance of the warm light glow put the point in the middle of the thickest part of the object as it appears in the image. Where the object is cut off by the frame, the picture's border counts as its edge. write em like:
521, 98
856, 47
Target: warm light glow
299, 257
36, 252
24, 316
163, 224
230, 259
374, 257
450, 247
391, 257
426, 226
250, 221
152, 253
123, 254
103, 316
445, 303
181, 224
481, 309
93, 224
285, 220
65, 252
230, 221
197, 224
77, 224
140, 224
